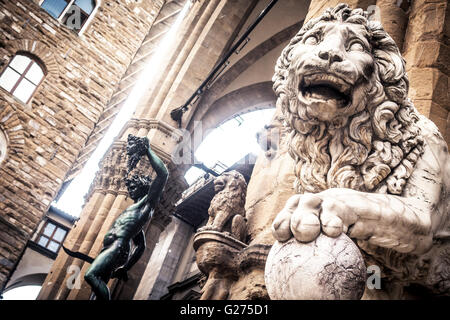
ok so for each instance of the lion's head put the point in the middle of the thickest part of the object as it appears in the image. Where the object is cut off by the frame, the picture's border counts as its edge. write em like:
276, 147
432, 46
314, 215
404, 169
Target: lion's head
342, 86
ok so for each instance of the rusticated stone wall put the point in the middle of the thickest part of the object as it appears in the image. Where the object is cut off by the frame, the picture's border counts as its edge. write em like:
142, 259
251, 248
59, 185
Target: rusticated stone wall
426, 50
45, 136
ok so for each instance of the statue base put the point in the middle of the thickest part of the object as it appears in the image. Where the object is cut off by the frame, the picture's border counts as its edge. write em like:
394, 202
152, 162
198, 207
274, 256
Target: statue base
217, 254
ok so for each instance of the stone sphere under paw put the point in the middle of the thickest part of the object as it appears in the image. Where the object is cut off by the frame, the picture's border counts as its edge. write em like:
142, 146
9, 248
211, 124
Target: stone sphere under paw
324, 269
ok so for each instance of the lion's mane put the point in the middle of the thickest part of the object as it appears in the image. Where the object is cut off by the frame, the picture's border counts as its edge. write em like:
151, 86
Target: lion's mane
379, 144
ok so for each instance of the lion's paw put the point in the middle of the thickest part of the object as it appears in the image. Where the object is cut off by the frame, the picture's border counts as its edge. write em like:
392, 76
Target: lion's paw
305, 216
281, 226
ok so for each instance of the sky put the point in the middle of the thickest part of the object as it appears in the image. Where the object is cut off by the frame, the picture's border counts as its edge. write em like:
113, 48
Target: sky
22, 293
231, 141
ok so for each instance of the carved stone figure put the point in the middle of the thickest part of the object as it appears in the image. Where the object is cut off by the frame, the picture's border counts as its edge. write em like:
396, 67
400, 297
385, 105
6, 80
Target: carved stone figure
220, 242
115, 259
227, 212
367, 163
269, 137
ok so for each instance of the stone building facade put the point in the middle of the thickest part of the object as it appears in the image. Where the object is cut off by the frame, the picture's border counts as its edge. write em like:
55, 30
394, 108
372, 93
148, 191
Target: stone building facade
42, 137
41, 250
420, 29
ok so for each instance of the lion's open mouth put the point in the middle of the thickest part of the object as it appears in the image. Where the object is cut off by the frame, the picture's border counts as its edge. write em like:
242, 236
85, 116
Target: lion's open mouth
326, 87
218, 185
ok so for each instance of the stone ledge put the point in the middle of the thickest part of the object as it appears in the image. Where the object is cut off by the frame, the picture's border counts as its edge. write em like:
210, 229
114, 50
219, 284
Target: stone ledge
203, 237
253, 256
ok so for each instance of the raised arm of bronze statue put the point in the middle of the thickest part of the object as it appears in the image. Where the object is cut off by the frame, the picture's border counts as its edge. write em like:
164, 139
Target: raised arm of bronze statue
157, 186
115, 259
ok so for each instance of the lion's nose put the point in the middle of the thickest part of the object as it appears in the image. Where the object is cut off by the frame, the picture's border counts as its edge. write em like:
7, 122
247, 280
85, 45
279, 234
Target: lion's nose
330, 55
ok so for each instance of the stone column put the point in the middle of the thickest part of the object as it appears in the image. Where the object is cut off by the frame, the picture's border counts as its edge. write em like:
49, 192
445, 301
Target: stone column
271, 184
394, 18
199, 15
427, 58
161, 268
110, 183
120, 203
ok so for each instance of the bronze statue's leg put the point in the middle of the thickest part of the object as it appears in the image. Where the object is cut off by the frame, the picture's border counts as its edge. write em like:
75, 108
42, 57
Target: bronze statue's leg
103, 266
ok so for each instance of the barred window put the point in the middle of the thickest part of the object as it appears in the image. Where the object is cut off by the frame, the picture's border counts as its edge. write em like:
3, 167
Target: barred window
72, 13
22, 76
51, 236
55, 7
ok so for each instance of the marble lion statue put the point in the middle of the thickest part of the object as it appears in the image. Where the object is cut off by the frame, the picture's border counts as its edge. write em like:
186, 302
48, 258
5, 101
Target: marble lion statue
226, 211
367, 163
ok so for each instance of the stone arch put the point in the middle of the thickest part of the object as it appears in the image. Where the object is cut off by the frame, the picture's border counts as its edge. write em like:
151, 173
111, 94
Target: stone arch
209, 99
35, 279
214, 109
13, 130
3, 146
254, 97
246, 99
38, 49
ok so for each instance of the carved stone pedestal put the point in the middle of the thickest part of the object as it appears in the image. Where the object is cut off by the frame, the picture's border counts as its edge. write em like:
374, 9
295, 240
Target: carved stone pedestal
217, 255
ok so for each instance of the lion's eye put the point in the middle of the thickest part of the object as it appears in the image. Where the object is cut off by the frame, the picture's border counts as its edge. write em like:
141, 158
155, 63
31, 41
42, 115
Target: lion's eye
311, 40
356, 46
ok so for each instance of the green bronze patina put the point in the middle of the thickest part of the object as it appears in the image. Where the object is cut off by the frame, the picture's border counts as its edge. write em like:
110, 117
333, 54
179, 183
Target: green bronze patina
115, 259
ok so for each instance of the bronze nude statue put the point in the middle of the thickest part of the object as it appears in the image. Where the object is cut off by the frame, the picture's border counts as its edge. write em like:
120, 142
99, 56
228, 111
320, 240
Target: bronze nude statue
115, 260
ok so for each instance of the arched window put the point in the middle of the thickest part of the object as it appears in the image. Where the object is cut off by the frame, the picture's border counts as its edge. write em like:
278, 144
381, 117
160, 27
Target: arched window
229, 143
22, 76
74, 14
3, 146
